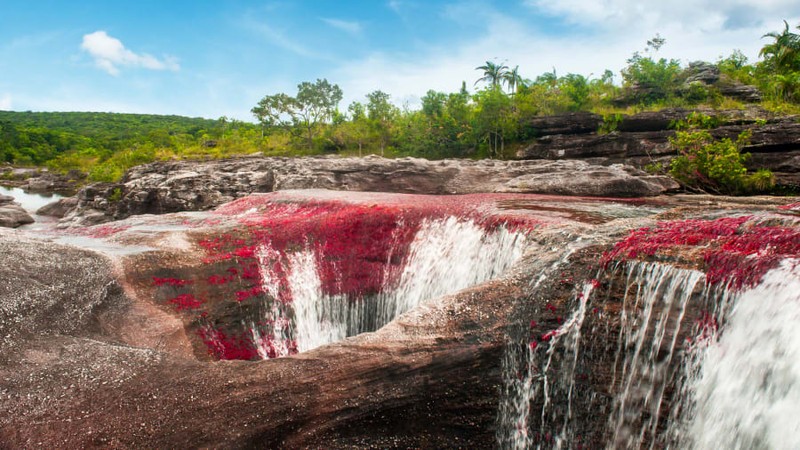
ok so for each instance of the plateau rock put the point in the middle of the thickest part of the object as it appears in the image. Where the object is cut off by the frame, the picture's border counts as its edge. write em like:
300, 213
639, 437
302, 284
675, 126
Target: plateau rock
164, 187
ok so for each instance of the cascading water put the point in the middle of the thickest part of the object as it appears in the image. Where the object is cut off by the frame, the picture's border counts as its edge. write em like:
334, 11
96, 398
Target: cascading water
746, 391
445, 256
730, 378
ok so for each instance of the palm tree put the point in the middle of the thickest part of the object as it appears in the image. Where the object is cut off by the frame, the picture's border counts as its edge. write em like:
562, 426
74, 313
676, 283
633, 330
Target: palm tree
512, 79
493, 73
784, 53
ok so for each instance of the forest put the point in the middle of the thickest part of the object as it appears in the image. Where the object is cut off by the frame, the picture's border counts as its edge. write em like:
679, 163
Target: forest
486, 118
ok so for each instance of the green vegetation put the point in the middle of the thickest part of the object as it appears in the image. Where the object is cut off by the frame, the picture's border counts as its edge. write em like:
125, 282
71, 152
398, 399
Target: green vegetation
714, 165
491, 121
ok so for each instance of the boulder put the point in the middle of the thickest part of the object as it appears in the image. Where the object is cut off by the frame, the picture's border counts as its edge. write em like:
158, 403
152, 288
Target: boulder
58, 208
11, 214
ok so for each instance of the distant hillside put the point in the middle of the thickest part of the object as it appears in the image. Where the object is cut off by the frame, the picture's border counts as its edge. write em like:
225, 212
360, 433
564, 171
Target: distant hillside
108, 126
105, 144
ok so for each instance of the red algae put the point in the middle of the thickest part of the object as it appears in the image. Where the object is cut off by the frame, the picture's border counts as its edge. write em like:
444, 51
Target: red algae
736, 252
359, 248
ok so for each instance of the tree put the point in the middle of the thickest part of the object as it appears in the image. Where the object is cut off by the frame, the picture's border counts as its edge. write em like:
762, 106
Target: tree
512, 79
314, 104
649, 79
783, 55
493, 73
495, 120
272, 109
381, 113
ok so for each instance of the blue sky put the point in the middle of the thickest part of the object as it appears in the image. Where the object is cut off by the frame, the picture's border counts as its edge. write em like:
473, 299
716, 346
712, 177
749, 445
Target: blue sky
215, 58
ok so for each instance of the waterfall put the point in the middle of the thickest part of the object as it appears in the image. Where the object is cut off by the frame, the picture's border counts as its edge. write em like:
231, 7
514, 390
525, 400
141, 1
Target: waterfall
445, 256
746, 393
649, 377
650, 324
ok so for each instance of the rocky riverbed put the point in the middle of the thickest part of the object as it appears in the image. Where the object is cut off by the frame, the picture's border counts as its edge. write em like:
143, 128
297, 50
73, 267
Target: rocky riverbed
127, 348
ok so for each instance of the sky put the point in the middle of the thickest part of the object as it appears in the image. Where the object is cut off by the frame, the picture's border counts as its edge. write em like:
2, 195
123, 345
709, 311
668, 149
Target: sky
204, 58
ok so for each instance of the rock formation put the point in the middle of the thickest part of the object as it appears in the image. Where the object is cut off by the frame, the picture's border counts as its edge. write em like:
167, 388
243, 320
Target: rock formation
106, 351
12, 214
643, 138
164, 187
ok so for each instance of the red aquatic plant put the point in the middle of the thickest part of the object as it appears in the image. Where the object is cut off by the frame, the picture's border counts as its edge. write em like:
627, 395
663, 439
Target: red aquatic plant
735, 251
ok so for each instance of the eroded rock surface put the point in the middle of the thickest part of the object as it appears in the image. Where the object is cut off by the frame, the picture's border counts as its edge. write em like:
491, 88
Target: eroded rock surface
97, 353
165, 187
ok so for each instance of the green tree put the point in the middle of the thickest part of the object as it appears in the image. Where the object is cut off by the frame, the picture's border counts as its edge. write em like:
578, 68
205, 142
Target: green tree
512, 79
381, 114
495, 120
649, 80
783, 54
493, 73
315, 103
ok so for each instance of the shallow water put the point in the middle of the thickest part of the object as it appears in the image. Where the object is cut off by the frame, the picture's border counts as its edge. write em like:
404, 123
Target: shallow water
29, 201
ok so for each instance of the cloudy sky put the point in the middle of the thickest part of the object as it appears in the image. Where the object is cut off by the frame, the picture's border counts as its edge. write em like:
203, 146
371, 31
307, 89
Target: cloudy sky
213, 58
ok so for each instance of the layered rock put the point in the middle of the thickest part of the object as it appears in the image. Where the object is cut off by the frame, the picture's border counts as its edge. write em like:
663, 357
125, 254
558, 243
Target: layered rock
165, 187
643, 138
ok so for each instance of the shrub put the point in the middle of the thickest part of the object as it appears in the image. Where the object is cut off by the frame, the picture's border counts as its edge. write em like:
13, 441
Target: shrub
711, 165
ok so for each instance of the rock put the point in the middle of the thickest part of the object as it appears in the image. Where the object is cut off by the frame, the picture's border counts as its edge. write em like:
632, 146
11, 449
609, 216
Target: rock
11, 214
642, 139
58, 208
581, 178
615, 144
85, 363
165, 187
570, 123
652, 120
702, 72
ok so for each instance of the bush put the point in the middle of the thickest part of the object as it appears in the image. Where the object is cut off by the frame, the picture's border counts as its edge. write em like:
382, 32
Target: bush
710, 165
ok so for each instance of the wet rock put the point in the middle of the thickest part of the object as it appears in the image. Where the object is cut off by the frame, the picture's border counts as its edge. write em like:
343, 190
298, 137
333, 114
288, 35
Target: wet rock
86, 358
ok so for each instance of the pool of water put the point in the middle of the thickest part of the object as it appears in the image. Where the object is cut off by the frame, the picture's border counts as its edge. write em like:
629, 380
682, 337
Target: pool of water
29, 201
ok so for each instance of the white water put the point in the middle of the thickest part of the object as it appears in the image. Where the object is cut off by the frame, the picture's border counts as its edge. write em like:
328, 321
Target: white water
444, 257
746, 394
651, 321
736, 382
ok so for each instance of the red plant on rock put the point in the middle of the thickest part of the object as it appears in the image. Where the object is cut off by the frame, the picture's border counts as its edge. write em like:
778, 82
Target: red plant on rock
735, 251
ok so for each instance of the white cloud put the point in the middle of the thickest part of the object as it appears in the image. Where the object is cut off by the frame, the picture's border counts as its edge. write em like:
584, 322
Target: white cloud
688, 14
612, 37
5, 102
110, 54
353, 27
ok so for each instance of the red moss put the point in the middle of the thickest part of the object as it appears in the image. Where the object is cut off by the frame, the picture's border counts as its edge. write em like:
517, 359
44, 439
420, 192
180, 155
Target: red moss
247, 293
222, 346
103, 231
186, 302
735, 251
170, 282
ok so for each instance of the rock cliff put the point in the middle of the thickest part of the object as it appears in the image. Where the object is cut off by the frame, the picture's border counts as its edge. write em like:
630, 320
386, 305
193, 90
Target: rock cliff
643, 138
